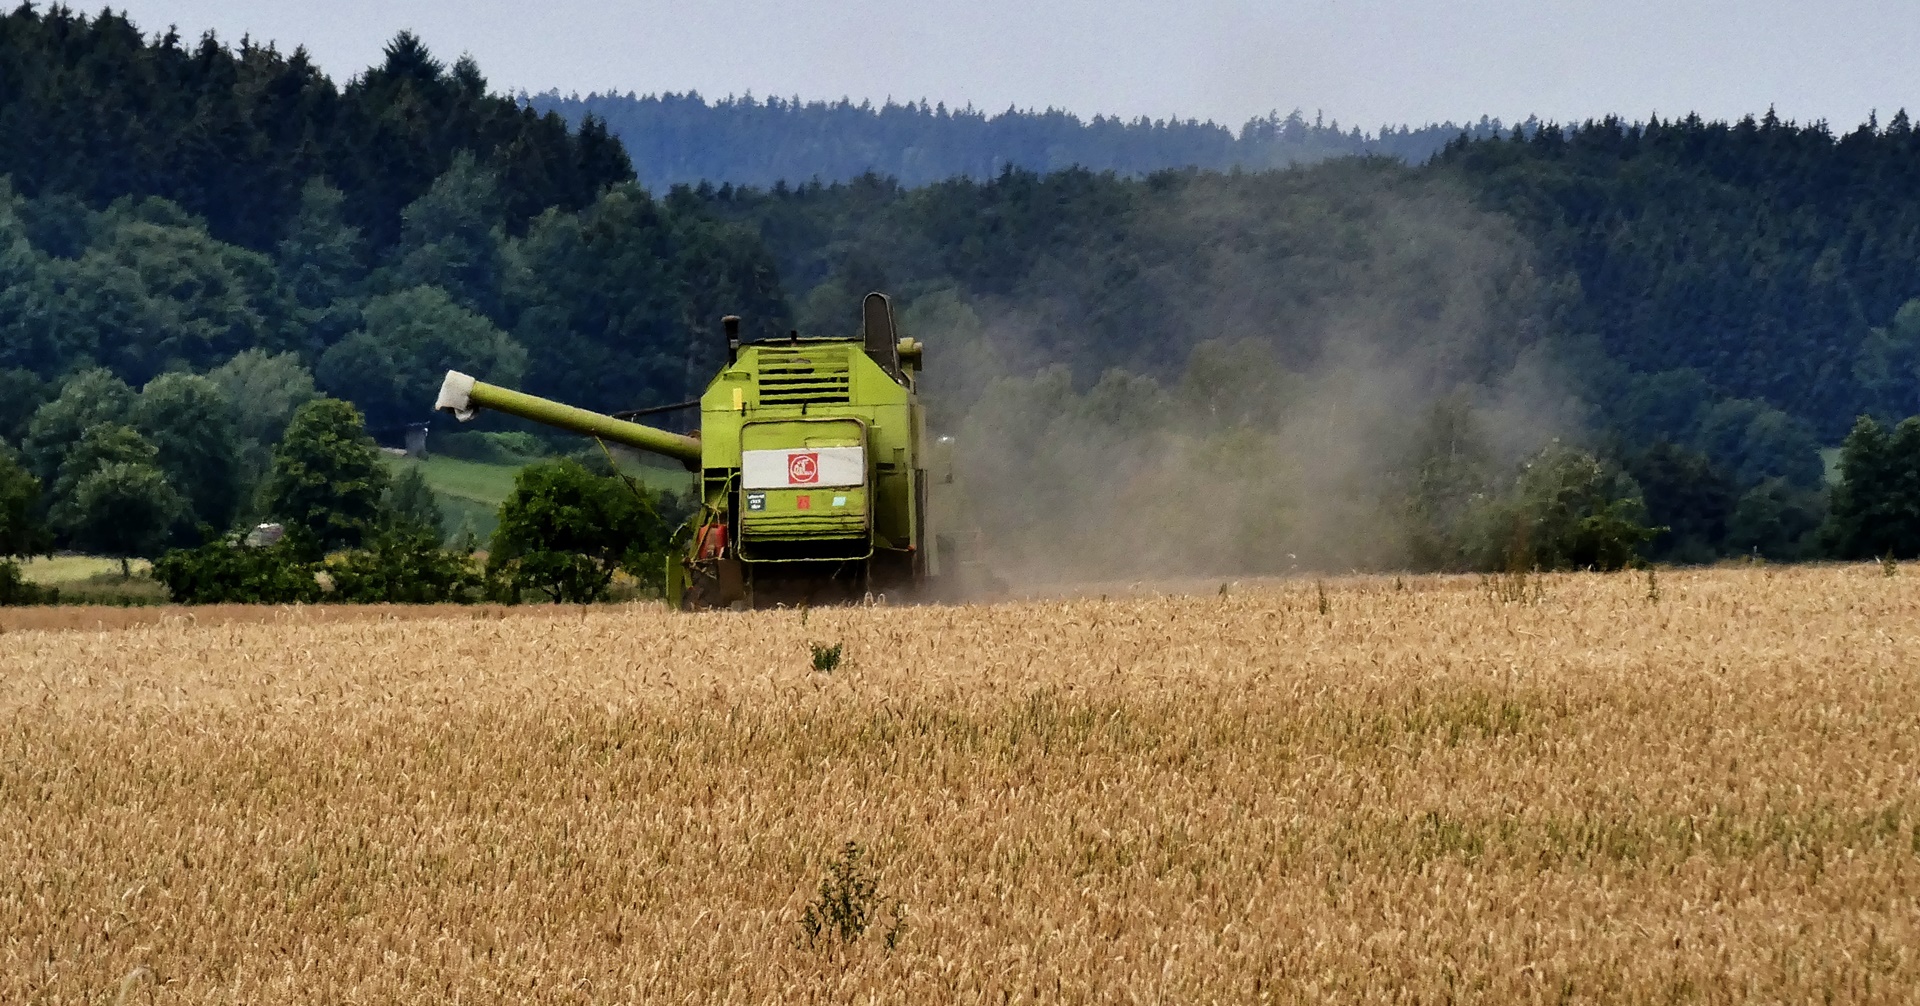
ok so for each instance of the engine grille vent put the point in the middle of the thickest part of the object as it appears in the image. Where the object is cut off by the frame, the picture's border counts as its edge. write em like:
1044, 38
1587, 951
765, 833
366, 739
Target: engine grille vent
804, 375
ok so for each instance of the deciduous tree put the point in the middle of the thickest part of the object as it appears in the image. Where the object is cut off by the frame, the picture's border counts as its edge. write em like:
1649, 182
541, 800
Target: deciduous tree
120, 509
565, 531
191, 426
327, 478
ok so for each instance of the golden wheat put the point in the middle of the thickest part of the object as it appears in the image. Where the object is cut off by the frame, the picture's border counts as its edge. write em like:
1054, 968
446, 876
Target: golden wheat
1423, 793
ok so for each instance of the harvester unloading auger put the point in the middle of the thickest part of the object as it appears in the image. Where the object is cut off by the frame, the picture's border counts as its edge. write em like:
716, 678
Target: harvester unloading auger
818, 482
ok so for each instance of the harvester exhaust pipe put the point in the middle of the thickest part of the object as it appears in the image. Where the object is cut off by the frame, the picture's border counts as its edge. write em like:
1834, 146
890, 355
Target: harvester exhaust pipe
731, 325
878, 332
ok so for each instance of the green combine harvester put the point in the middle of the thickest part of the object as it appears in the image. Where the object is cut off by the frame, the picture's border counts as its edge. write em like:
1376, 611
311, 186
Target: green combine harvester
818, 481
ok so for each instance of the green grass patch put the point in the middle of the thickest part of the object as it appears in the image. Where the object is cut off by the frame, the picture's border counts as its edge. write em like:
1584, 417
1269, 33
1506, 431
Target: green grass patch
93, 579
470, 492
473, 481
61, 570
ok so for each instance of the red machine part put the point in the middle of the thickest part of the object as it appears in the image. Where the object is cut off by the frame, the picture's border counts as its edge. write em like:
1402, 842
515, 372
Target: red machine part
710, 542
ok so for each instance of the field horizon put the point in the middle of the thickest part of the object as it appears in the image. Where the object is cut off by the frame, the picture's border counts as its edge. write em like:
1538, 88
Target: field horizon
1691, 786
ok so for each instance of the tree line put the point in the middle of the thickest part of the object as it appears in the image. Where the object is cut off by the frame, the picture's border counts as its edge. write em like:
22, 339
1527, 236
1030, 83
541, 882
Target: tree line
163, 208
612, 306
92, 109
684, 139
1757, 259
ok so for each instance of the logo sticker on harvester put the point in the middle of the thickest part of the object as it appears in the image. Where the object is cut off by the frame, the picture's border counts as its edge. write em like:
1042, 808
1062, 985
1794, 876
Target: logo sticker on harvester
756, 501
803, 469
795, 467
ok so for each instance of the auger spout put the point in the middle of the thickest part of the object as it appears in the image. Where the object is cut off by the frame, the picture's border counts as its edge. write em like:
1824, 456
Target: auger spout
462, 395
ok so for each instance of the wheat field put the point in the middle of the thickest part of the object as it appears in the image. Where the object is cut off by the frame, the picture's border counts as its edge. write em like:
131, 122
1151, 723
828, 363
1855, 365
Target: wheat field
1591, 789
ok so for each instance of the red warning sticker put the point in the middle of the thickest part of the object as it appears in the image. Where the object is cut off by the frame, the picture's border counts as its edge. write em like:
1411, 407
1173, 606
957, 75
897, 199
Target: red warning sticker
803, 502
803, 469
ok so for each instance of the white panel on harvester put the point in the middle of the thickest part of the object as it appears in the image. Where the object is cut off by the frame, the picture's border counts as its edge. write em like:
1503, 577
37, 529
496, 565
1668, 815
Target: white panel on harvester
801, 467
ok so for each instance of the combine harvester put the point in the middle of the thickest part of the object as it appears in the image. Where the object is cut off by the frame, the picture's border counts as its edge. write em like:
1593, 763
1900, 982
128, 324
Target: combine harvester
818, 482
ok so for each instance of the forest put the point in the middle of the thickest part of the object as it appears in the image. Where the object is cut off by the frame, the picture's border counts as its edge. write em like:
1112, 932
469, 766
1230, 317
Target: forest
1640, 340
1706, 304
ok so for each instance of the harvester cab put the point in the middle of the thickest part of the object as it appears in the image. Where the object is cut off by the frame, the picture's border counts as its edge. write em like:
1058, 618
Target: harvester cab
817, 480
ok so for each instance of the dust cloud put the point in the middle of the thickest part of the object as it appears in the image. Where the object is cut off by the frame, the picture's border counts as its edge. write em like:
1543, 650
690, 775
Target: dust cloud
1303, 372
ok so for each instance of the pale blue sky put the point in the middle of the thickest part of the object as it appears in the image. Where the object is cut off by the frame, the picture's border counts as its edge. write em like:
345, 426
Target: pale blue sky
1362, 61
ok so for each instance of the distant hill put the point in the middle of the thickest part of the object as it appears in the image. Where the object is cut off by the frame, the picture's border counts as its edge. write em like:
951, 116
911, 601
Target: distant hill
676, 139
